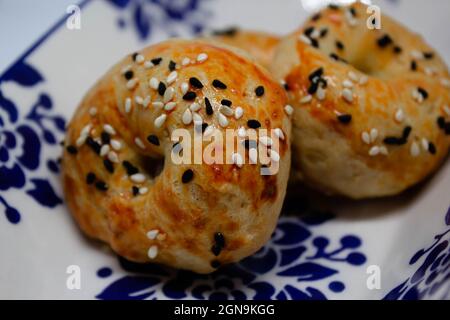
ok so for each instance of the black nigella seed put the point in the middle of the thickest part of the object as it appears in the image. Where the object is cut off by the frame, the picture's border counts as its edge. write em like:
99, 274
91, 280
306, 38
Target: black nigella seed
204, 126
397, 49
188, 175
384, 41
406, 132
334, 56
94, 145
226, 102
392, 140
106, 137
189, 96
250, 144
130, 168
172, 65
333, 7
314, 42
153, 139
315, 74
286, 86
423, 92
215, 249
441, 122
100, 185
316, 17
431, 148
135, 190
219, 239
226, 32
353, 11
134, 56
313, 87
308, 31
339, 45
156, 61
90, 178
254, 124
323, 32
428, 55
344, 118
161, 88
215, 264
447, 128
413, 65
259, 91
128, 75
108, 165
219, 84
195, 83
209, 109
72, 149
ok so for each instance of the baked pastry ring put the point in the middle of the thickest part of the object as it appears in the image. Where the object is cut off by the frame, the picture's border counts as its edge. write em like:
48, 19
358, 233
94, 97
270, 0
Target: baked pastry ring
121, 183
259, 45
371, 107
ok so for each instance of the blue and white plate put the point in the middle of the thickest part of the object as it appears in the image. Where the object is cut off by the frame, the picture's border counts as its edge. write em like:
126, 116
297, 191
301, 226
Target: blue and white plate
395, 248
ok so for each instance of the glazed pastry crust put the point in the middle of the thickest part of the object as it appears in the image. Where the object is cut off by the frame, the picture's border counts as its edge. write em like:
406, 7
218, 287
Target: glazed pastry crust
238, 202
374, 153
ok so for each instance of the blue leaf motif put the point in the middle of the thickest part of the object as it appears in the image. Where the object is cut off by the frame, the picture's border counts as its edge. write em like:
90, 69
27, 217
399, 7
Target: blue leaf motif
264, 290
31, 148
43, 193
297, 294
142, 22
447, 217
290, 255
308, 271
292, 233
23, 74
13, 177
9, 107
128, 287
121, 4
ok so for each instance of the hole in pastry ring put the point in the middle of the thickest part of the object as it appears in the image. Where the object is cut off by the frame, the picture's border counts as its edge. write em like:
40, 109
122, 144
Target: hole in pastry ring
371, 107
190, 216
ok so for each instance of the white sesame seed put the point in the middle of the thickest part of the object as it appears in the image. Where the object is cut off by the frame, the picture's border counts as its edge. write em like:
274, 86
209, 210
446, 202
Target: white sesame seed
202, 57
143, 190
127, 105
113, 157
148, 64
375, 150
288, 109
146, 102
138, 100
139, 143
170, 106
253, 155
104, 150
153, 83
320, 93
347, 94
116, 144
152, 234
140, 58
138, 178
416, 54
238, 112
187, 116
126, 69
265, 140
152, 252
425, 144
363, 80
208, 131
242, 132
347, 83
315, 34
414, 149
353, 76
373, 135
157, 104
306, 99
132, 83
109, 129
86, 129
445, 82
81, 140
159, 121
275, 156
223, 121
279, 133
194, 106
172, 77
417, 96
399, 115
185, 61
446, 109
197, 118
429, 71
226, 110
304, 39
236, 159
168, 94
184, 87
384, 150
365, 137
93, 111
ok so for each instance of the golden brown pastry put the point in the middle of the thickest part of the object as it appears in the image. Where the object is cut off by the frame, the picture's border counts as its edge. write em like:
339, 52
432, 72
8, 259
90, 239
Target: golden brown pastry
371, 107
122, 185
259, 45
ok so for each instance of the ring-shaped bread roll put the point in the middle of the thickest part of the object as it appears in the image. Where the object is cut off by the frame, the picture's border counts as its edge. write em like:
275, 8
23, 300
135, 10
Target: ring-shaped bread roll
122, 185
371, 106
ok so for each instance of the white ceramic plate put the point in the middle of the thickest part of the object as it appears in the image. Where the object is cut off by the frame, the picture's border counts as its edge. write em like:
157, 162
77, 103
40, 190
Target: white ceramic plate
335, 250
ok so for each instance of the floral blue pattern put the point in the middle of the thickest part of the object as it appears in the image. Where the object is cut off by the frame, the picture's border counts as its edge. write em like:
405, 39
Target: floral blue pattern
432, 273
296, 258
